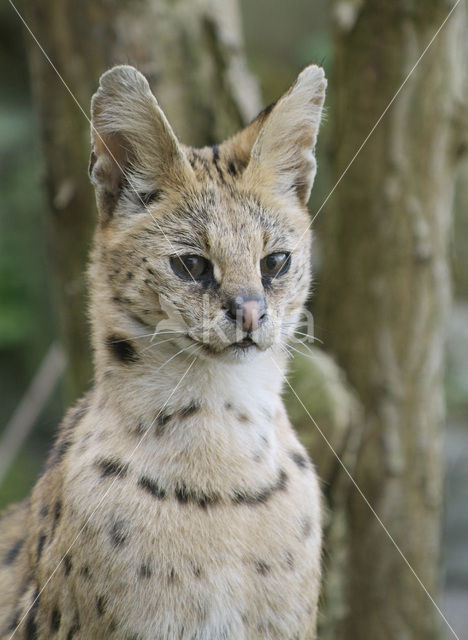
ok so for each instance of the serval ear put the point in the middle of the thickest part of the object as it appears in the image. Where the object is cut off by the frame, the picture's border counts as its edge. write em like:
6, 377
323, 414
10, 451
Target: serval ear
133, 146
282, 156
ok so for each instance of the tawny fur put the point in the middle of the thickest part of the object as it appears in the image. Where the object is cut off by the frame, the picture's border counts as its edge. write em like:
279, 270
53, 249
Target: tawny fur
177, 502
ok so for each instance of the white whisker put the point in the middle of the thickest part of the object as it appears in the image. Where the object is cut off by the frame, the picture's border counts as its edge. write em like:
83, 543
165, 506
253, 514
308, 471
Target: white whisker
155, 344
177, 354
307, 335
310, 355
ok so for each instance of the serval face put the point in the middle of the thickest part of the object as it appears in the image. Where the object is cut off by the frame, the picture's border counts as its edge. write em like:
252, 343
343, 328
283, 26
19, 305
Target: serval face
210, 244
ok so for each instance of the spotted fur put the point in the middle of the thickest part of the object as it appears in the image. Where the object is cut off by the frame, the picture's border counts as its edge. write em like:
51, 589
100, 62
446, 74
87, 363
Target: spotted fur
177, 502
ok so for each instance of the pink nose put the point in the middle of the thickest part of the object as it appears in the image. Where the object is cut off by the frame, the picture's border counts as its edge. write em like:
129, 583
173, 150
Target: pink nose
247, 312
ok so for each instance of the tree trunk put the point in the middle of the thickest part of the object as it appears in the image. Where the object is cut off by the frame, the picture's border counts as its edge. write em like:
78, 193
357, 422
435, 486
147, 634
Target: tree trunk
191, 53
387, 292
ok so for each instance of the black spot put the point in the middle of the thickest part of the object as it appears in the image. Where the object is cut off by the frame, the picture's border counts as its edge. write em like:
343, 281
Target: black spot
152, 487
200, 498
228, 406
172, 574
118, 533
31, 626
204, 500
232, 169
262, 567
101, 606
85, 572
73, 629
145, 570
122, 349
243, 417
67, 563
140, 428
57, 511
192, 408
299, 459
13, 552
129, 275
44, 511
40, 546
241, 496
78, 412
161, 421
183, 494
55, 620
282, 483
112, 467
289, 560
306, 527
152, 196
260, 496
196, 570
64, 439
60, 448
14, 621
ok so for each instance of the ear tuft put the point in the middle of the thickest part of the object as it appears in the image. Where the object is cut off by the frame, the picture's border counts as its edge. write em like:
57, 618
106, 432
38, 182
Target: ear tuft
282, 157
133, 145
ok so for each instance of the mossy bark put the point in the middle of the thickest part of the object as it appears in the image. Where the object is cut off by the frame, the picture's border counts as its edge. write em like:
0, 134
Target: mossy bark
387, 295
191, 52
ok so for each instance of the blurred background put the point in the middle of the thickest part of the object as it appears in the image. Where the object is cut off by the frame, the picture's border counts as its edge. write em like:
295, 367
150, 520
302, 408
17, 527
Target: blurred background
389, 384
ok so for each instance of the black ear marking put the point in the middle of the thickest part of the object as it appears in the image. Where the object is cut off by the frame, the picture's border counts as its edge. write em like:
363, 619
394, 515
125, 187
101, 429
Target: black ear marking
216, 162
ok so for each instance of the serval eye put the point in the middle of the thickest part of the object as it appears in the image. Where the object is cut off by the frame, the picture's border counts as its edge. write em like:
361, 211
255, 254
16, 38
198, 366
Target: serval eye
190, 267
276, 264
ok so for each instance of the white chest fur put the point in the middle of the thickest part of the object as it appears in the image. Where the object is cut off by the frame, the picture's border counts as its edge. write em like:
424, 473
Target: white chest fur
203, 522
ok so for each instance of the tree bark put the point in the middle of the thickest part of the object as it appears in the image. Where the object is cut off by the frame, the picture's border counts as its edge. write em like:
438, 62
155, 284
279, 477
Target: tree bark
191, 52
328, 417
388, 291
